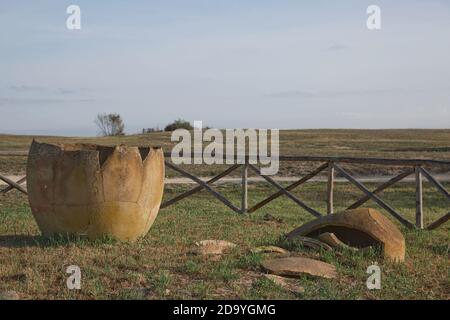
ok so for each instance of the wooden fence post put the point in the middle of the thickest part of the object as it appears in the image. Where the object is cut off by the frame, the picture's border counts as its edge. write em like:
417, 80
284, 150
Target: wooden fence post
330, 188
419, 198
244, 202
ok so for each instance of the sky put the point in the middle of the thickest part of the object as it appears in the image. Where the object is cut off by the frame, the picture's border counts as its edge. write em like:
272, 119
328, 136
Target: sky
277, 64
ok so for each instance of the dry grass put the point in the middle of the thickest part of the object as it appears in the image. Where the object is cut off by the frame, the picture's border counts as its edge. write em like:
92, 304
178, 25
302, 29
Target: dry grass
434, 144
160, 266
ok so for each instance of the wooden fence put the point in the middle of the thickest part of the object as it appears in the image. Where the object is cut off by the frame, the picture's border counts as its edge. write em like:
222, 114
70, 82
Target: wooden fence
332, 165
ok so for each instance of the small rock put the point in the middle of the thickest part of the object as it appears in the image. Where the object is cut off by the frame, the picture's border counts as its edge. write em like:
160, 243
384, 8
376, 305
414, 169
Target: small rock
286, 283
212, 247
269, 249
9, 295
296, 266
269, 217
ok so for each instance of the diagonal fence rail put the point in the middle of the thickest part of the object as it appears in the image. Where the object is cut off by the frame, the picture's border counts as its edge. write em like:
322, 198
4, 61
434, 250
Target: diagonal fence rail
13, 184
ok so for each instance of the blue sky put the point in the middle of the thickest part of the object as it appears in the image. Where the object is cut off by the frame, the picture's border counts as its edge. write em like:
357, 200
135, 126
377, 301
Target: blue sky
262, 64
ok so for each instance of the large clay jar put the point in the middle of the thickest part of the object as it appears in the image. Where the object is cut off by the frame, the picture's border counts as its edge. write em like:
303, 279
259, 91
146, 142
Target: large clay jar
360, 228
80, 189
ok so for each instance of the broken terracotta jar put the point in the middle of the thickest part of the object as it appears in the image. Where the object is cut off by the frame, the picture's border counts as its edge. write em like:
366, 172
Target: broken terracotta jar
358, 228
82, 189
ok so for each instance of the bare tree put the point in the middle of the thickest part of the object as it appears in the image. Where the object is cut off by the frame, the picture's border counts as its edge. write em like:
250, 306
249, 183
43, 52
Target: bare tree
110, 124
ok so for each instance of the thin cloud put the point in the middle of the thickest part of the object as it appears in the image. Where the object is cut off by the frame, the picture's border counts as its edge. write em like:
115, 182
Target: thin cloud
337, 47
336, 94
65, 91
39, 101
48, 90
26, 88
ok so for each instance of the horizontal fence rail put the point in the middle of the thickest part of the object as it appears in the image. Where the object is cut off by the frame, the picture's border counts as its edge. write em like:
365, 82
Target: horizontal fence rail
355, 160
331, 165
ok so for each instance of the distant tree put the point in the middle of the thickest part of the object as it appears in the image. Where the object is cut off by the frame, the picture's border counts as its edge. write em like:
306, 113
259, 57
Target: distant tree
179, 124
110, 124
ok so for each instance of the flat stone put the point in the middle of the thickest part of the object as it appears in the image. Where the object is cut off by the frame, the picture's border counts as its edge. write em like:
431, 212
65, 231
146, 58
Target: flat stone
9, 295
286, 283
212, 247
296, 266
269, 249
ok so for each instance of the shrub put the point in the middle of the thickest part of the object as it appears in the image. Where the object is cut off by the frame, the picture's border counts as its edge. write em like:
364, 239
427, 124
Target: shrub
179, 124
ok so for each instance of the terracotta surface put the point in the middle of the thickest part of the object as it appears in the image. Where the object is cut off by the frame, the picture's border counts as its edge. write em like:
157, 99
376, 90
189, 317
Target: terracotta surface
94, 190
358, 228
334, 242
296, 266
269, 249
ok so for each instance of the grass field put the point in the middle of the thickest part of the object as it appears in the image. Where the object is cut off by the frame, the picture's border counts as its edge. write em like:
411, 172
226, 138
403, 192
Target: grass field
160, 266
434, 144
